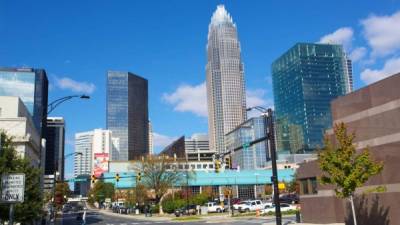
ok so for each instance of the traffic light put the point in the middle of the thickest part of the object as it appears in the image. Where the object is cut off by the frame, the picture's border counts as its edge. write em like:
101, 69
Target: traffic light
217, 166
228, 163
139, 176
93, 178
117, 177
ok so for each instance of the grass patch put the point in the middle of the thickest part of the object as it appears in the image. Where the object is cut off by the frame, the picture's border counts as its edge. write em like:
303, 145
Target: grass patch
186, 218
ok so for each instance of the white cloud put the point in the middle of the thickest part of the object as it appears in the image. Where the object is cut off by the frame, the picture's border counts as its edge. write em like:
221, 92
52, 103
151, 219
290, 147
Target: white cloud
382, 33
187, 98
66, 83
391, 67
343, 36
162, 141
358, 53
256, 97
14, 87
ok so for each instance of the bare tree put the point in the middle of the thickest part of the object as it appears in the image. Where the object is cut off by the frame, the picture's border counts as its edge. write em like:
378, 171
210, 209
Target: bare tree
160, 174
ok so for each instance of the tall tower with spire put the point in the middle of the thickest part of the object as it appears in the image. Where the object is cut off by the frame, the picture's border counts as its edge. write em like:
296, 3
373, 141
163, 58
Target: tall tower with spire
225, 79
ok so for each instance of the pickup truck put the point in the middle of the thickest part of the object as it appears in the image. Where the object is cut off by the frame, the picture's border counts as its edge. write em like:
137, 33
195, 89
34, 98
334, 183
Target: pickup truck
214, 207
252, 205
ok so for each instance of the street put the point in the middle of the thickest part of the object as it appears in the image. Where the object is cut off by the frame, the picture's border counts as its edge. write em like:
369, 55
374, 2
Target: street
99, 218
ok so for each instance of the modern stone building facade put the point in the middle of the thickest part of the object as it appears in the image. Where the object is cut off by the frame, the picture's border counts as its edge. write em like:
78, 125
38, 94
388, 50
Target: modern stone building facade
226, 96
16, 122
373, 113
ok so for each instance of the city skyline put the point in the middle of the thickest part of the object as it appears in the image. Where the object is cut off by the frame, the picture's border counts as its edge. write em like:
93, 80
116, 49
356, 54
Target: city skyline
79, 68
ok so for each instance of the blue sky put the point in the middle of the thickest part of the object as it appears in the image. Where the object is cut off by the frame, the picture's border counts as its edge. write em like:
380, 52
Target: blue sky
165, 42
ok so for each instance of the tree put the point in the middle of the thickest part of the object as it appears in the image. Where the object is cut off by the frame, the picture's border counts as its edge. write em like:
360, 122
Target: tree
62, 191
100, 191
160, 174
343, 167
10, 162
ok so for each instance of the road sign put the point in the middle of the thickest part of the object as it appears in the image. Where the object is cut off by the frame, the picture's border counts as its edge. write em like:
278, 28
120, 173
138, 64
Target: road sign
12, 188
281, 186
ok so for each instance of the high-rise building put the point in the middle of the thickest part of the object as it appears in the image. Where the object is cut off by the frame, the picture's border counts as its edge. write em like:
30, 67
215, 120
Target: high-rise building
305, 80
55, 139
94, 147
151, 151
245, 156
31, 85
83, 161
225, 79
127, 114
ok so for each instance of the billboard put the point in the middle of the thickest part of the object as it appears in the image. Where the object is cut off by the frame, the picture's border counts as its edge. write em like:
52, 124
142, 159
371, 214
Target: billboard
100, 163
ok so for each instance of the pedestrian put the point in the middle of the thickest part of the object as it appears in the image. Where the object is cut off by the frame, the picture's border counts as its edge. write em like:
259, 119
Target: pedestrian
84, 217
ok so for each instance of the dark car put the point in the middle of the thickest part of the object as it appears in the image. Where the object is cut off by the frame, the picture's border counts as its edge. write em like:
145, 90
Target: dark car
189, 210
290, 199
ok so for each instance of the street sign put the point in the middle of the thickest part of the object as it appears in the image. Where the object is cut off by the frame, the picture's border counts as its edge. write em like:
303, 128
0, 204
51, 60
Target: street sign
77, 180
281, 186
12, 188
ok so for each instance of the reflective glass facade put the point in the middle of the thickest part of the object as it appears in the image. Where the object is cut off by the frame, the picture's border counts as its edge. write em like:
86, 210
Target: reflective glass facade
305, 80
127, 114
254, 156
31, 85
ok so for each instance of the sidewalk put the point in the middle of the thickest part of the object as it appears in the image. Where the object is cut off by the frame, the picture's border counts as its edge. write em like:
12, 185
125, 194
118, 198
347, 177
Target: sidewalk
155, 217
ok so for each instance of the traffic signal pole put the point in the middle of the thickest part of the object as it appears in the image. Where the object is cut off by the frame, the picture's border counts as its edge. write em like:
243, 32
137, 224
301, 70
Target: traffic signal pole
270, 132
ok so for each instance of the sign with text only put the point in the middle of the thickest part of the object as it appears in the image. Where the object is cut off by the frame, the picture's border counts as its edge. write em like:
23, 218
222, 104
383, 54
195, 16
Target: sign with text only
12, 188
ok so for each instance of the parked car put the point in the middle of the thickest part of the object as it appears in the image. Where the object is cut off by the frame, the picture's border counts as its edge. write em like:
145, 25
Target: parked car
284, 208
214, 207
189, 210
251, 206
290, 199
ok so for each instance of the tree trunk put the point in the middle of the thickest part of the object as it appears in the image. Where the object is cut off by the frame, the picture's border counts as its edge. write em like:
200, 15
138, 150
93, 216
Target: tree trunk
353, 210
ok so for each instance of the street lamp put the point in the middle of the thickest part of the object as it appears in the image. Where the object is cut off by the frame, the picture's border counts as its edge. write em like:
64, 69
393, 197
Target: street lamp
270, 136
57, 102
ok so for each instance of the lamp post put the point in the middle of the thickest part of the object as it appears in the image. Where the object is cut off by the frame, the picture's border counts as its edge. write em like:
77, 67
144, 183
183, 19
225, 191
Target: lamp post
57, 102
270, 137
50, 107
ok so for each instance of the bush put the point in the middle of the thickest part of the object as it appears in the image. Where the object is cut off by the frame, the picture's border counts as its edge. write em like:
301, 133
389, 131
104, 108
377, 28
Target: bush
199, 199
169, 205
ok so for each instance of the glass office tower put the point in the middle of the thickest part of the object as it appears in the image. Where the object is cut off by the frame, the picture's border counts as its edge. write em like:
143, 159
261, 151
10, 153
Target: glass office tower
243, 156
127, 114
305, 80
31, 85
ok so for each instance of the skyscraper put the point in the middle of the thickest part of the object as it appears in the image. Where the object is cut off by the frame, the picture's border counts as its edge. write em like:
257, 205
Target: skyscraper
55, 138
305, 80
127, 114
225, 79
31, 85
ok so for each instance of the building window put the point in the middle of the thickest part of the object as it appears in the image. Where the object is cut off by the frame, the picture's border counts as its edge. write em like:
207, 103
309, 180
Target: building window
308, 186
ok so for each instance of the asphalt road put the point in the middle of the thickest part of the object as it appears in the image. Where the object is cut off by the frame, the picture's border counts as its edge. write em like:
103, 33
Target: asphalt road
96, 218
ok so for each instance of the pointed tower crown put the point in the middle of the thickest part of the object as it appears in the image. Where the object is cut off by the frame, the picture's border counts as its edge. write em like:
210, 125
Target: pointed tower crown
220, 16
